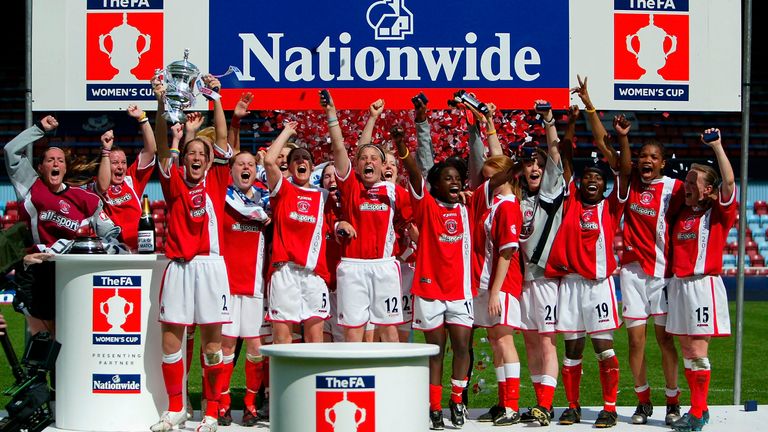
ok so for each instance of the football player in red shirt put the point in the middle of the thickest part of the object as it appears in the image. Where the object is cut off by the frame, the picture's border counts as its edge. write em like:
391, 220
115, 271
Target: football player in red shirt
698, 305
653, 204
194, 193
121, 186
582, 255
298, 291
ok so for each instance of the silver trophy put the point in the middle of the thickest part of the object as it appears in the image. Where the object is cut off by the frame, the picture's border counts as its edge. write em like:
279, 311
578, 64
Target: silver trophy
180, 79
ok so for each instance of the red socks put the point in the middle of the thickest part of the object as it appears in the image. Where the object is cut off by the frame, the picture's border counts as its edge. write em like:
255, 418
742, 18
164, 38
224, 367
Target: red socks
435, 396
457, 388
643, 393
698, 374
173, 376
546, 392
609, 379
512, 385
225, 400
254, 372
571, 381
213, 380
673, 396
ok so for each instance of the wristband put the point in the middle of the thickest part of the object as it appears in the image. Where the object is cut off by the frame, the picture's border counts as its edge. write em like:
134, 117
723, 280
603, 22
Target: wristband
407, 153
333, 123
175, 152
105, 152
591, 110
143, 120
550, 122
143, 117
490, 132
332, 119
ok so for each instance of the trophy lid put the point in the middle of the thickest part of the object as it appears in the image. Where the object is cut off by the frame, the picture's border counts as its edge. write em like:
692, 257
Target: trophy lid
183, 66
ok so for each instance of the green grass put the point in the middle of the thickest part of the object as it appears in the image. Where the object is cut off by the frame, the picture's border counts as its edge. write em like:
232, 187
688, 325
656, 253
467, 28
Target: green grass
721, 354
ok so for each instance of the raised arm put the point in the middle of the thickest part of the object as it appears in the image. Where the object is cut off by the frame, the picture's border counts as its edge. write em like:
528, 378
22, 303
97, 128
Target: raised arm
599, 134
565, 147
161, 127
150, 146
104, 177
219, 119
177, 132
241, 110
17, 163
374, 112
340, 157
270, 159
548, 119
409, 162
425, 152
621, 125
494, 145
726, 170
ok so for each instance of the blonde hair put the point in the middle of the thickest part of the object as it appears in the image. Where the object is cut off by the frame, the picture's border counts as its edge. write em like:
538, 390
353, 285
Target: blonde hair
209, 133
710, 176
499, 163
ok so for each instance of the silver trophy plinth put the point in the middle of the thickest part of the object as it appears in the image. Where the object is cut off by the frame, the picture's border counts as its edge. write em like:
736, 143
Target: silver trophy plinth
180, 81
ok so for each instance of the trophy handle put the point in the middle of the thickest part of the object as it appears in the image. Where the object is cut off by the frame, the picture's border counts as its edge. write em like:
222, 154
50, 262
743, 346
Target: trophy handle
130, 309
147, 44
673, 48
362, 416
629, 44
328, 416
102, 309
101, 44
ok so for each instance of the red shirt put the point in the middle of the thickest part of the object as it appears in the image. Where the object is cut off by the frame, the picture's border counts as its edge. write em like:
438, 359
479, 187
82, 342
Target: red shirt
122, 202
300, 228
245, 265
648, 216
332, 248
584, 242
194, 212
496, 230
55, 216
444, 262
373, 212
699, 236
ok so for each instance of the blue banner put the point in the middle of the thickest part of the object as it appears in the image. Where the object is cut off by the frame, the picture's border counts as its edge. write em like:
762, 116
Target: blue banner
393, 44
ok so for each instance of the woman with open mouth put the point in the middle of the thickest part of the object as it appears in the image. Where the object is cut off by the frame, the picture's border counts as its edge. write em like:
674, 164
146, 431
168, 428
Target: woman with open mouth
245, 219
646, 266
298, 290
196, 272
56, 211
582, 256
442, 286
698, 305
368, 275
121, 186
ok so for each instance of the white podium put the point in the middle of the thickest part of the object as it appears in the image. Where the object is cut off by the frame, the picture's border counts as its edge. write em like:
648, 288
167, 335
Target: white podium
349, 387
108, 373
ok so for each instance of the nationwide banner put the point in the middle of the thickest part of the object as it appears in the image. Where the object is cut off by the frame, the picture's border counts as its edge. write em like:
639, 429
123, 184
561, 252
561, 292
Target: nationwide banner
638, 54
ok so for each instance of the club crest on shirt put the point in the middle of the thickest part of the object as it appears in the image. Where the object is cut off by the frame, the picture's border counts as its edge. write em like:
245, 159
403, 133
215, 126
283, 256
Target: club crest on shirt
688, 223
451, 226
64, 207
303, 206
115, 189
197, 200
646, 197
587, 222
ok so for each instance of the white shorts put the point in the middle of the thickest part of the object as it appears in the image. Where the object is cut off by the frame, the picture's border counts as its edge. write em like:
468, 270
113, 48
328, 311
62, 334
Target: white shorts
195, 292
538, 305
642, 295
296, 295
406, 276
247, 314
510, 310
331, 326
586, 305
698, 306
431, 314
369, 291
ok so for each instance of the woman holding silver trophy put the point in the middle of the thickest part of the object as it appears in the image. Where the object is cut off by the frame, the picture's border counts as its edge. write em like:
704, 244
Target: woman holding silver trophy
195, 290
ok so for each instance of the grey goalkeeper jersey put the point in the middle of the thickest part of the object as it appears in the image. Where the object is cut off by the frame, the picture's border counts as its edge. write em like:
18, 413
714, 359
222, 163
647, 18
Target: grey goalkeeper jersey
542, 215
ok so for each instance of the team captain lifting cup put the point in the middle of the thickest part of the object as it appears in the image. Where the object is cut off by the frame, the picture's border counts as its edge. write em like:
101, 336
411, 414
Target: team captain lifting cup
180, 79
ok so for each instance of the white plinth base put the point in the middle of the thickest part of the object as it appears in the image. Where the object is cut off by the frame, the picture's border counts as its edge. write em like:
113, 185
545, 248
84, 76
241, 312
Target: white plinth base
723, 418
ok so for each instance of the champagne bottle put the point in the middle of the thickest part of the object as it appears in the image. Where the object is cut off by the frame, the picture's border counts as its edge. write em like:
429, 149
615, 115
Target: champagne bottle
146, 238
